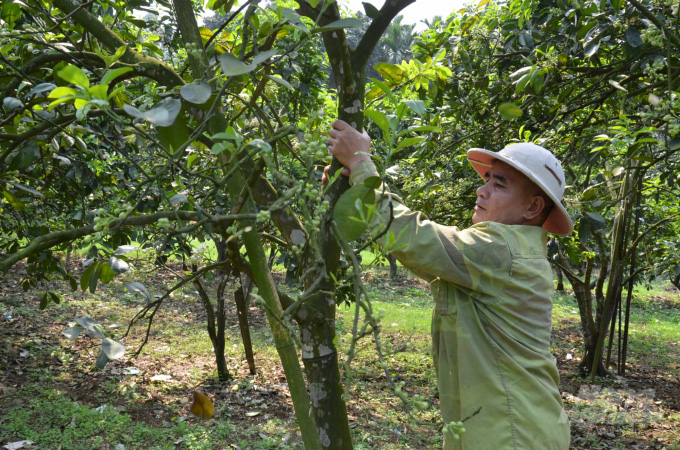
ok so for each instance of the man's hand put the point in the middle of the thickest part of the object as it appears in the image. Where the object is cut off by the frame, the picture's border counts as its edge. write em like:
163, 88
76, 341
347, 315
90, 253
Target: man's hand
348, 145
327, 174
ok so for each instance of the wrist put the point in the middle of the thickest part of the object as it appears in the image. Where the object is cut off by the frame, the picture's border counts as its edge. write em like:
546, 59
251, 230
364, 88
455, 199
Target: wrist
358, 160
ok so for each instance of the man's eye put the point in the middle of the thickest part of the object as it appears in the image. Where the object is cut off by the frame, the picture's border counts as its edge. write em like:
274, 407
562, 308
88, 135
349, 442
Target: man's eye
498, 185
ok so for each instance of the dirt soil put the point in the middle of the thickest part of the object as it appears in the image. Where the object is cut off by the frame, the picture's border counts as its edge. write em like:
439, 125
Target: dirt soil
624, 412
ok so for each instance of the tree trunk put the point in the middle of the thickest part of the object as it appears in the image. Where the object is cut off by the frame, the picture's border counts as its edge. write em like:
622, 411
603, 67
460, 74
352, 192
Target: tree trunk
221, 343
560, 280
242, 308
589, 327
317, 317
586, 364
215, 328
393, 266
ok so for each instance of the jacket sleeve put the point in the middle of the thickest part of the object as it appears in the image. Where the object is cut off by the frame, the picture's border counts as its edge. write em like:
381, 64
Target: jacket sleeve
476, 259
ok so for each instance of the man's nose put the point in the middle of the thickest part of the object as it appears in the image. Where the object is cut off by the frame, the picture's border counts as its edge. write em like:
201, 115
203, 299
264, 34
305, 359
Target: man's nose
482, 190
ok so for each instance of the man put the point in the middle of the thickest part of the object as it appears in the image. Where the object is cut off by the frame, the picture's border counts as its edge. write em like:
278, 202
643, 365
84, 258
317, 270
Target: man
492, 287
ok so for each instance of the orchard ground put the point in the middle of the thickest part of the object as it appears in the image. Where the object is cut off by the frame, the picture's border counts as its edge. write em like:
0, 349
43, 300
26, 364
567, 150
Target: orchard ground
52, 394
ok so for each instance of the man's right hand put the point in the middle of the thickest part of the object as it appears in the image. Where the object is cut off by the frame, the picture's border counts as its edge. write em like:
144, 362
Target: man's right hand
348, 145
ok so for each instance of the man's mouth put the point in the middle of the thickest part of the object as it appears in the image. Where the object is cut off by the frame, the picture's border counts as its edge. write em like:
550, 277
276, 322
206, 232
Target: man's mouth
478, 206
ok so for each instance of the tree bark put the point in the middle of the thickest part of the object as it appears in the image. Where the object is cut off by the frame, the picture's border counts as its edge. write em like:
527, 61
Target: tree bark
215, 331
393, 266
244, 326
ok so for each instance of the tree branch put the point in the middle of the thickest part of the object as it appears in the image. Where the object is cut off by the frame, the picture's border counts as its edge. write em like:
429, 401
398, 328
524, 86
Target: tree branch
151, 67
389, 11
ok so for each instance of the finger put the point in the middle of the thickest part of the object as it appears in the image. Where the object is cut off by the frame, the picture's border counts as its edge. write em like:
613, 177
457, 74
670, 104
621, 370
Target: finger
345, 171
339, 124
327, 169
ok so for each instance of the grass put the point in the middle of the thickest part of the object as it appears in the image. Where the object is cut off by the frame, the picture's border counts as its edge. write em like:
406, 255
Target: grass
54, 396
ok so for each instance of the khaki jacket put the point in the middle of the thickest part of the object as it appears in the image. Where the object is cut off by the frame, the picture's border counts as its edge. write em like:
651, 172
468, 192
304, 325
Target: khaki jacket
492, 287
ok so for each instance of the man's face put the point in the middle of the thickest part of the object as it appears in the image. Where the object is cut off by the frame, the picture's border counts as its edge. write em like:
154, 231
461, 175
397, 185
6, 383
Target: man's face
505, 196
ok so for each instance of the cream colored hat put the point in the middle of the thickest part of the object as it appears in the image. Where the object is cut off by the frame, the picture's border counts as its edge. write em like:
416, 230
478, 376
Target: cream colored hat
541, 167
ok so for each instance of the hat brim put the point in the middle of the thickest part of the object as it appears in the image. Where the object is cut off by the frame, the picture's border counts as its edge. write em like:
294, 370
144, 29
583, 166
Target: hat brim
558, 221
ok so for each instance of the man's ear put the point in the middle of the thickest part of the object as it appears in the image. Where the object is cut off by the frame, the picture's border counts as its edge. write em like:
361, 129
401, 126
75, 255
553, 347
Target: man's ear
535, 208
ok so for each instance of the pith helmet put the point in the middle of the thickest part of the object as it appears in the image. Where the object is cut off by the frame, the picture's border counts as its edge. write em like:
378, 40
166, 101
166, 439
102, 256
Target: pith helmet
541, 167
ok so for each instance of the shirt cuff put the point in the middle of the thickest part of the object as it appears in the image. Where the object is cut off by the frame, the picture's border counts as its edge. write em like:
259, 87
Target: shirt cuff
363, 170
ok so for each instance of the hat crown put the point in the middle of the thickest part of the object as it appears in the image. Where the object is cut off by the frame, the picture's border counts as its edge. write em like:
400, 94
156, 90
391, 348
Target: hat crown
541, 165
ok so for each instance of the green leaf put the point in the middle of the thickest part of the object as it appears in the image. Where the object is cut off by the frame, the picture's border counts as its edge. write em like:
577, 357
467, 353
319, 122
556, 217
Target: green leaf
417, 106
74, 75
111, 75
62, 91
119, 52
522, 82
12, 200
281, 81
102, 359
44, 301
617, 85
40, 88
349, 22
72, 332
58, 101
383, 87
136, 286
23, 187
98, 92
585, 29
596, 219
509, 111
350, 207
633, 37
91, 325
11, 12
261, 145
379, 118
163, 114
591, 48
12, 103
520, 73
114, 266
114, 349
410, 141
197, 92
419, 128
220, 147
178, 199
94, 279
371, 11
85, 277
263, 56
232, 66
674, 144
391, 72
537, 79
138, 22
173, 137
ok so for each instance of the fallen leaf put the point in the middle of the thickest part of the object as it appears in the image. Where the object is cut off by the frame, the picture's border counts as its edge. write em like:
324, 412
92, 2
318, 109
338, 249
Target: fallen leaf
161, 378
202, 407
18, 444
